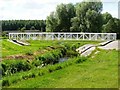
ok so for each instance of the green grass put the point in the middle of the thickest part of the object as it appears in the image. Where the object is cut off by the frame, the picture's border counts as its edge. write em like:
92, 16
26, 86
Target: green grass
98, 72
8, 80
9, 48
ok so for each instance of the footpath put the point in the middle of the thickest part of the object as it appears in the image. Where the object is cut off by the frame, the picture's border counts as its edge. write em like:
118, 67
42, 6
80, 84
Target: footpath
87, 49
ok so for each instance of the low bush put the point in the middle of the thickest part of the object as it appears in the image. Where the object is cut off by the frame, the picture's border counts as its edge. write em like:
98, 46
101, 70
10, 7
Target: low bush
29, 53
10, 67
42, 71
80, 60
53, 56
5, 82
71, 53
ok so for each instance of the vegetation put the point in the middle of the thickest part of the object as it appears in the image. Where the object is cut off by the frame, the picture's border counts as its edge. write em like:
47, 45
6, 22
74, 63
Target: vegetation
45, 55
40, 71
12, 25
40, 46
38, 66
82, 17
96, 72
79, 17
48, 52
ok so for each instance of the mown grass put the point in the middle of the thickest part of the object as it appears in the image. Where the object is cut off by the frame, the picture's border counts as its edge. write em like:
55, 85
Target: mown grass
9, 48
98, 72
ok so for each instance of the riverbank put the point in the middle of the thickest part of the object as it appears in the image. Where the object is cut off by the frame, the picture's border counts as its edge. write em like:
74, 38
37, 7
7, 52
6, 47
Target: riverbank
100, 72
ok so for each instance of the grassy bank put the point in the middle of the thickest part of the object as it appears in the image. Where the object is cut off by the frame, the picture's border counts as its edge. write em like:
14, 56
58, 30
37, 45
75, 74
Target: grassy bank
8, 80
100, 71
9, 48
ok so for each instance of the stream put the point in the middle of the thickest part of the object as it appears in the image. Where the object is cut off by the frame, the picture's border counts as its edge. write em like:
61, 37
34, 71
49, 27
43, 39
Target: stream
63, 59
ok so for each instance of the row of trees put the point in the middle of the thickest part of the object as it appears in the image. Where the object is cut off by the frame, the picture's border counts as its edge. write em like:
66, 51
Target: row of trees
81, 17
24, 25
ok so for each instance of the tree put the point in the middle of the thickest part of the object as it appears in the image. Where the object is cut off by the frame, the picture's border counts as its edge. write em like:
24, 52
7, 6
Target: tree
75, 25
60, 20
51, 23
62, 16
112, 26
32, 28
23, 29
89, 16
18, 24
106, 17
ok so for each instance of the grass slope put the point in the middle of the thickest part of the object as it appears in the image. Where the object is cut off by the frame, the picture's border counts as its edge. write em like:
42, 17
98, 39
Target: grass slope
9, 48
98, 72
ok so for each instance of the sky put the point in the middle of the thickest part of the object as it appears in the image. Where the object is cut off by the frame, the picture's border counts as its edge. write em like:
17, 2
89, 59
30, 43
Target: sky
40, 9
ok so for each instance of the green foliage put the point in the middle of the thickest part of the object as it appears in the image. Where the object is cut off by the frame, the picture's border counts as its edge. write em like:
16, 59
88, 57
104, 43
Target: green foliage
5, 82
29, 53
112, 26
23, 29
32, 28
10, 67
79, 17
60, 20
93, 73
106, 17
4, 34
40, 72
52, 57
27, 24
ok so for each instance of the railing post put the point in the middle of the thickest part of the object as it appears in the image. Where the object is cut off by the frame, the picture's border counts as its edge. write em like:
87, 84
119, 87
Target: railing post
83, 36
89, 36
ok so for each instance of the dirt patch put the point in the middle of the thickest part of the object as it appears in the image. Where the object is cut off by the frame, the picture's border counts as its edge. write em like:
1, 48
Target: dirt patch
18, 57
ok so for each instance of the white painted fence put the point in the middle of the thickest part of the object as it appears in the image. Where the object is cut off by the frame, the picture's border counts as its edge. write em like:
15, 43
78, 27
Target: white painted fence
62, 36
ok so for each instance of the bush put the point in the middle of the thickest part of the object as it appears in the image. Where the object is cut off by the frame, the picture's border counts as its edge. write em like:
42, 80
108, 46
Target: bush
36, 62
71, 53
74, 46
31, 75
52, 57
5, 83
79, 60
29, 53
58, 67
13, 66
39, 72
4, 35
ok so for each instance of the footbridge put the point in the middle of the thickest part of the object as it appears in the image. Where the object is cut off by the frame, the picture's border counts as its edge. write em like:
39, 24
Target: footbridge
62, 36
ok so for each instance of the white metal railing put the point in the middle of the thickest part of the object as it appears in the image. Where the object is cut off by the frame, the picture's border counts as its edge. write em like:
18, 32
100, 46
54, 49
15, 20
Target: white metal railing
62, 36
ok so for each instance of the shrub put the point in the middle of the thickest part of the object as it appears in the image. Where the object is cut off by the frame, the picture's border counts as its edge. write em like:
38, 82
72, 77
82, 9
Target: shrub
71, 53
39, 72
29, 53
52, 57
13, 66
31, 75
80, 59
5, 83
25, 76
36, 62
74, 46
58, 67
